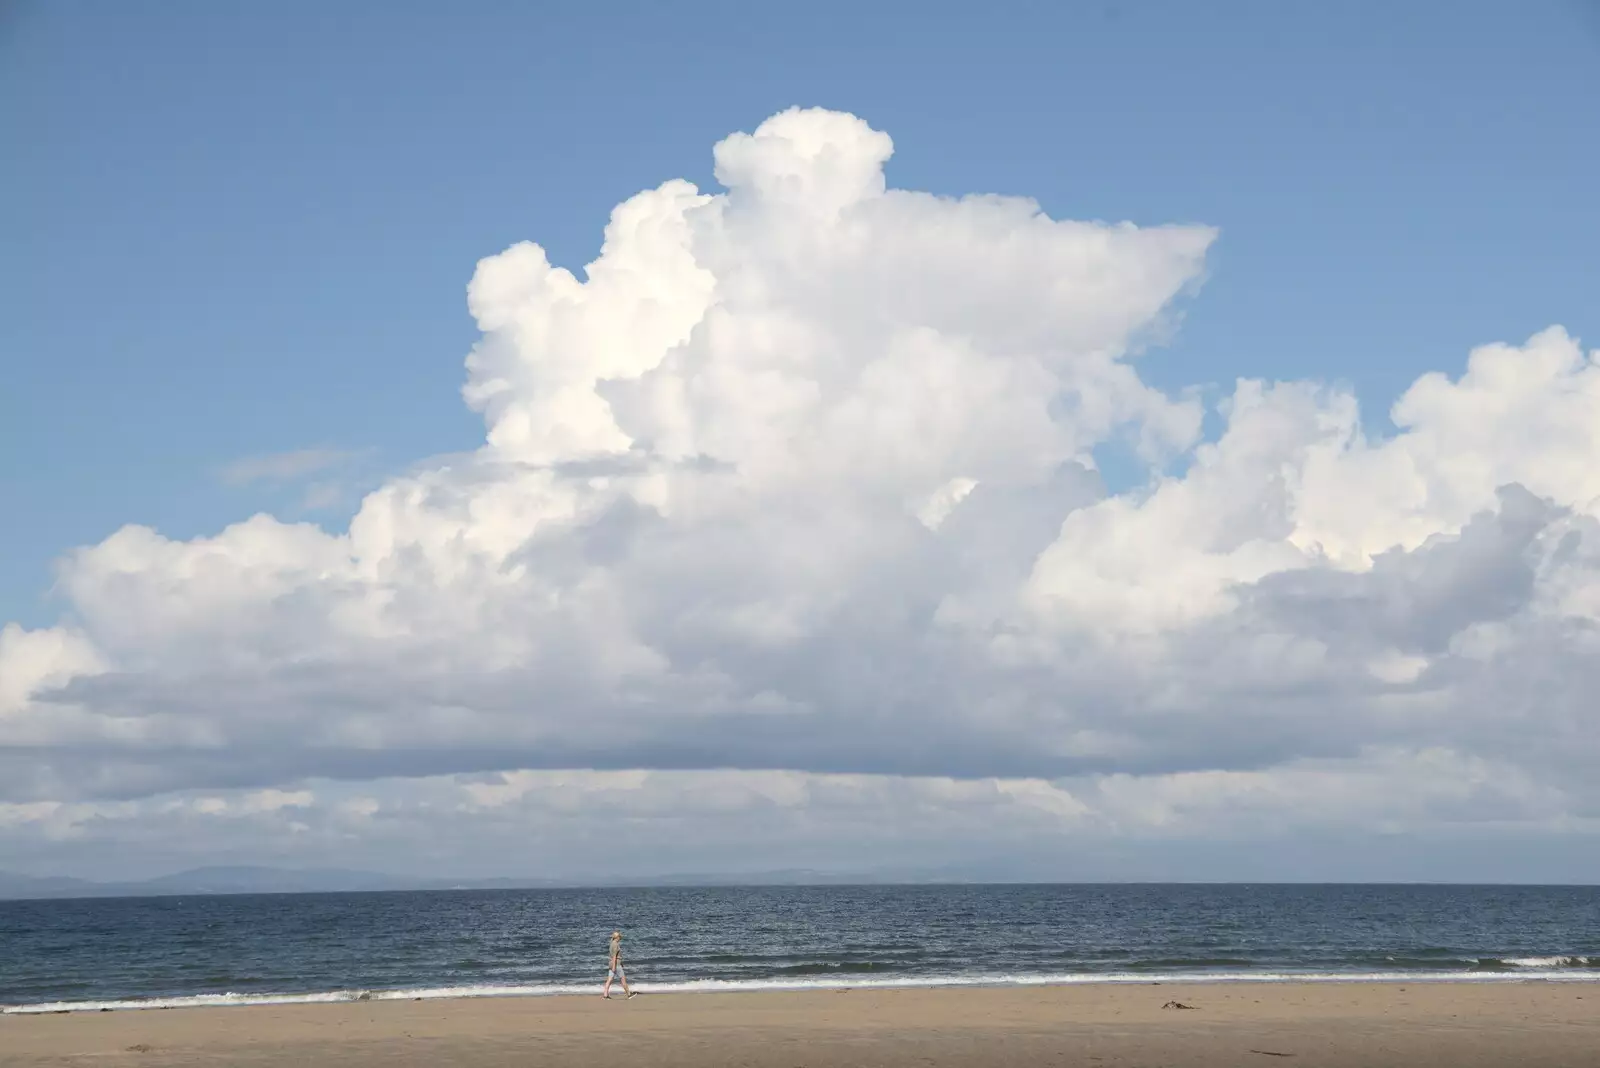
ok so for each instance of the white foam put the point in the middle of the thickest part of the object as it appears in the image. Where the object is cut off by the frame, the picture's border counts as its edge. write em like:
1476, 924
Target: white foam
1553, 962
1547, 972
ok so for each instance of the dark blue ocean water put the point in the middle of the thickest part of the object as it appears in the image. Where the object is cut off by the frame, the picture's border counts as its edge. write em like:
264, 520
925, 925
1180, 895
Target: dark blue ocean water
246, 948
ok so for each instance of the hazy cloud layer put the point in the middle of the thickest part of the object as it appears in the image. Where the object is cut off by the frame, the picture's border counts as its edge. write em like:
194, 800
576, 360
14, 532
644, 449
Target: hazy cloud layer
1384, 815
797, 482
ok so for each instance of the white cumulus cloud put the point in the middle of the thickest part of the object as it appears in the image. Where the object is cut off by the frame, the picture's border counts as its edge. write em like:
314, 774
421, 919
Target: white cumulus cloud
797, 477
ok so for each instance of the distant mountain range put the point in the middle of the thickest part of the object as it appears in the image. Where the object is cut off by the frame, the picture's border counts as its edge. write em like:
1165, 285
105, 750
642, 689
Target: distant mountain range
244, 880
258, 880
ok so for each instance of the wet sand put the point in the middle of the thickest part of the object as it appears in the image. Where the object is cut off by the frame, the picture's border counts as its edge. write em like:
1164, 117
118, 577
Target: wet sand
1373, 1025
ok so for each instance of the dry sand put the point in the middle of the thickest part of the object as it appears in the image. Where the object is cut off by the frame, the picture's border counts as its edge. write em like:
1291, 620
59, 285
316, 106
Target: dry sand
1374, 1025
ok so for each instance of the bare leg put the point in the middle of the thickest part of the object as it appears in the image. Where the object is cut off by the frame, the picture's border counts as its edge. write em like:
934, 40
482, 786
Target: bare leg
624, 976
607, 991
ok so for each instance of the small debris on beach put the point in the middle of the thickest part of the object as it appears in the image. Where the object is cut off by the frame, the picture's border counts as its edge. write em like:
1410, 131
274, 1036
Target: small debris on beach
1176, 1005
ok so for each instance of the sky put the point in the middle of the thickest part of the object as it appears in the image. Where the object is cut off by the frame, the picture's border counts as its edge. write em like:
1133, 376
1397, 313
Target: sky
1100, 441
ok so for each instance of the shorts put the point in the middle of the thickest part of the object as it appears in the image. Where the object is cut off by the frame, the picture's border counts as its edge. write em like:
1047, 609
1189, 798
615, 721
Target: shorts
615, 973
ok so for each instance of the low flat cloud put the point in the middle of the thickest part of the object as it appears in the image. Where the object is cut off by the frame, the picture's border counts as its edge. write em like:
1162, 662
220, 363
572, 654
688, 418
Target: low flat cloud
797, 480
277, 467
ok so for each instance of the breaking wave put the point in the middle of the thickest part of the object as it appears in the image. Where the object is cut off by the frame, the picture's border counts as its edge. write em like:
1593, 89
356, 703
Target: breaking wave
1526, 968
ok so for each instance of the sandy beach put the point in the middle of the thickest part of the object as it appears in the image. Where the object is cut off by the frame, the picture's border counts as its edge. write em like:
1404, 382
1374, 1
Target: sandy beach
1451, 1025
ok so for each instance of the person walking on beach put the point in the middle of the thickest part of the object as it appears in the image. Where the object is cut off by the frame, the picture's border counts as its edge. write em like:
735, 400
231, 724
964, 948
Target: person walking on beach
614, 967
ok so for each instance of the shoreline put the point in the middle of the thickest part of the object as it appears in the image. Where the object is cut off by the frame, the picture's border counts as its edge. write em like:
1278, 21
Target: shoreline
1184, 1025
712, 987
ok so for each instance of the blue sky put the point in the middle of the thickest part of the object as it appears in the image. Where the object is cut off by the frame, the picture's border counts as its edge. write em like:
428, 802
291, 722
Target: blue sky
246, 229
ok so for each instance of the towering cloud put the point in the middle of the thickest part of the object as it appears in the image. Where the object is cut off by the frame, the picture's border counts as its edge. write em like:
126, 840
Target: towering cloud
799, 476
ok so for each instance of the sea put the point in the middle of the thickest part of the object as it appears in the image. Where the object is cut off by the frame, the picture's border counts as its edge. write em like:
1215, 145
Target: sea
153, 952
